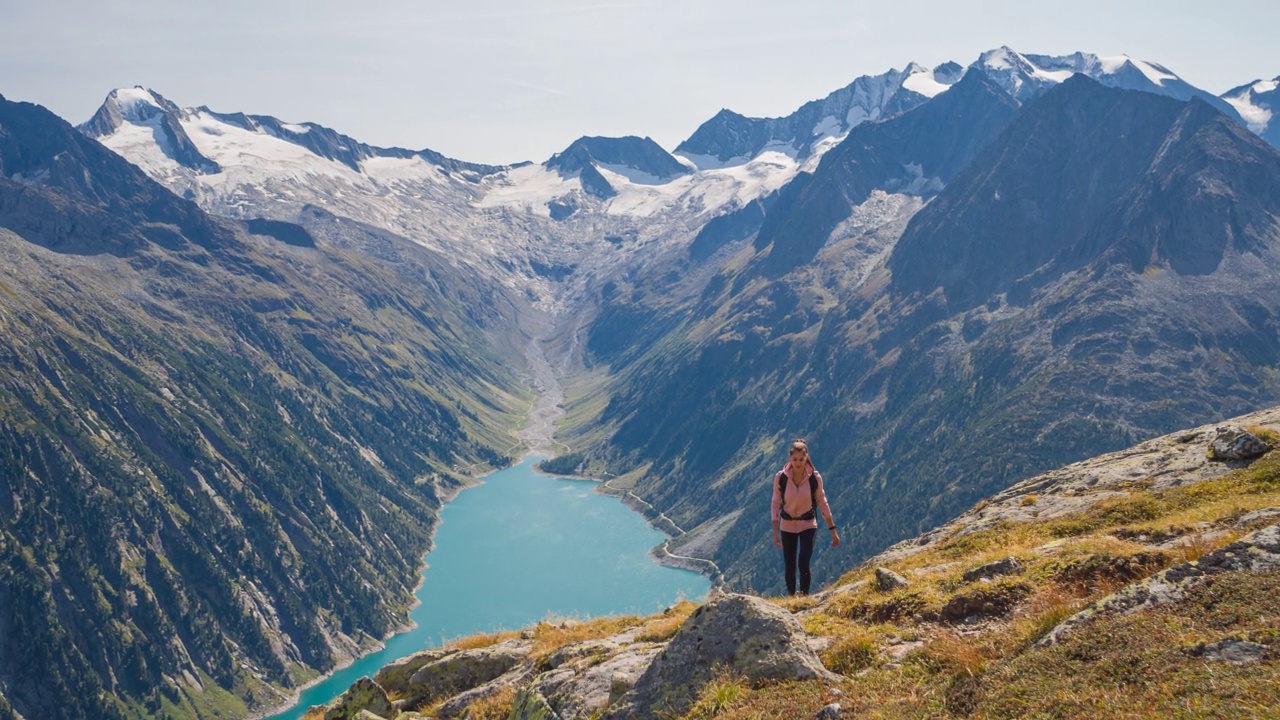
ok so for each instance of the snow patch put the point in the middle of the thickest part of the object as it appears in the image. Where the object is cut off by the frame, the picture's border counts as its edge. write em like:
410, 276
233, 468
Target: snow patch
924, 83
135, 103
828, 126
1245, 101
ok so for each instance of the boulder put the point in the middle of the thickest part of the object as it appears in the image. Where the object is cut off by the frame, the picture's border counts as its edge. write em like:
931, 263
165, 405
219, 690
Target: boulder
461, 671
577, 651
364, 695
887, 580
1235, 652
1007, 566
1233, 442
585, 687
395, 677
739, 634
830, 712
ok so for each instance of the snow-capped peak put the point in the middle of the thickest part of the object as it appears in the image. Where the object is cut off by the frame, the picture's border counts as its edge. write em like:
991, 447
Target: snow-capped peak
1254, 101
930, 83
1025, 76
136, 103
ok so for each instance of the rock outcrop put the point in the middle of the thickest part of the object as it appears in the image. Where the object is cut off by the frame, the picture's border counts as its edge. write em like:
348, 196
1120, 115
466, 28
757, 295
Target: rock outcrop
1006, 566
597, 677
365, 696
1235, 443
459, 672
887, 580
1255, 552
739, 634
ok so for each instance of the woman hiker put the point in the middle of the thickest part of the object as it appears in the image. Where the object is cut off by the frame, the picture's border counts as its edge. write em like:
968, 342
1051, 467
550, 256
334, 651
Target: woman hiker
798, 495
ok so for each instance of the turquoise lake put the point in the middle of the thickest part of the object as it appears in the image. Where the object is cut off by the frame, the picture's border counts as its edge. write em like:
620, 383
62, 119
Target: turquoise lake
520, 548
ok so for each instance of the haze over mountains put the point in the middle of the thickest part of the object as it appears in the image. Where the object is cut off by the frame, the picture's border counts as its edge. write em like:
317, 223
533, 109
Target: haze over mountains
947, 279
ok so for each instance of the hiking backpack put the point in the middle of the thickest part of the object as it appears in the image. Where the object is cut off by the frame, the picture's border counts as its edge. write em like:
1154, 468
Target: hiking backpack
813, 495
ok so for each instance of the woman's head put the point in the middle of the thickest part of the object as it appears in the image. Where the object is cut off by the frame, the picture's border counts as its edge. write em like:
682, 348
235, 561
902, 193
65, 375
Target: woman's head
799, 452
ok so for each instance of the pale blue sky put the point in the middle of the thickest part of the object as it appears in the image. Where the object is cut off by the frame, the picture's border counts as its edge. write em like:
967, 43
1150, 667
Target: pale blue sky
502, 80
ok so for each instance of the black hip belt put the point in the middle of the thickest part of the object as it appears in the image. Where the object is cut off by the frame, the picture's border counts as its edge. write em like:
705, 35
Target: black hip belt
811, 515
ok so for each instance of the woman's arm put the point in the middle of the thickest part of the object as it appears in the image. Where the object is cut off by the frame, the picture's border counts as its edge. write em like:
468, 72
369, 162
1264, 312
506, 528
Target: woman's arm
775, 508
825, 508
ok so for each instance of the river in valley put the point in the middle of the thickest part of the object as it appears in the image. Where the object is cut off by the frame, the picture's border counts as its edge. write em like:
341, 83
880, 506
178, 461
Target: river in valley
520, 548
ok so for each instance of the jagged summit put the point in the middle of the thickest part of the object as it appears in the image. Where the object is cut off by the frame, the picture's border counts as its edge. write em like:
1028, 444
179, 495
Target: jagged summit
730, 138
1025, 76
141, 115
640, 160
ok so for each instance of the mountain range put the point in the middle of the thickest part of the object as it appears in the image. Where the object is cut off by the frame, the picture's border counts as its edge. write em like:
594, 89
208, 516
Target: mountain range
257, 339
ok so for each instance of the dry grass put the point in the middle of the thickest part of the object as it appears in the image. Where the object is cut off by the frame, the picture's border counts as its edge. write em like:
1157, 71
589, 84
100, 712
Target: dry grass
549, 637
494, 707
718, 697
852, 652
954, 654
794, 604
663, 628
1044, 611
481, 640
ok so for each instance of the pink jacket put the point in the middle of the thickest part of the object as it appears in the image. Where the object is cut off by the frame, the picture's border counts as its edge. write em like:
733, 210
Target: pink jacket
800, 502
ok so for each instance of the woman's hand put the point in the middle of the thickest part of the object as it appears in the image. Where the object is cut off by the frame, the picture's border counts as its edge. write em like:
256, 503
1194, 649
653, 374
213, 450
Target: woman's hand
835, 538
777, 540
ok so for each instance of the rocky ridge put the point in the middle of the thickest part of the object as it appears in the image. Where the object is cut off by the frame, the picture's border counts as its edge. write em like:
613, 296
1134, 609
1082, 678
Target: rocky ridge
1165, 545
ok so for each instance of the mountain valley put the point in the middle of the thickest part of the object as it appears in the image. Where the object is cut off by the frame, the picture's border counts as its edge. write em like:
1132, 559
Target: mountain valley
235, 344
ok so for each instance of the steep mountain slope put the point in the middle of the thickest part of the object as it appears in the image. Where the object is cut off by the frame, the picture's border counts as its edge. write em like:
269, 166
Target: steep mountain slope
1021, 607
1256, 102
1099, 273
222, 445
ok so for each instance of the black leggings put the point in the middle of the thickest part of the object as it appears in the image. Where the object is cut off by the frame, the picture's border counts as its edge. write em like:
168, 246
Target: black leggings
790, 541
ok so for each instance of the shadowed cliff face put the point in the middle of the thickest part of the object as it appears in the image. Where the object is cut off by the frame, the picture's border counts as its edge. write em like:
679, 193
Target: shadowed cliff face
1103, 271
221, 452
1093, 175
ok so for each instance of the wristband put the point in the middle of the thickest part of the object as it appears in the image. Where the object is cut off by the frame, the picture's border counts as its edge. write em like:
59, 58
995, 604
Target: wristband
832, 527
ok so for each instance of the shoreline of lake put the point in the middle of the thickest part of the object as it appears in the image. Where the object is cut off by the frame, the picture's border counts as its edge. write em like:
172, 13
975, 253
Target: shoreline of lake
447, 496
293, 707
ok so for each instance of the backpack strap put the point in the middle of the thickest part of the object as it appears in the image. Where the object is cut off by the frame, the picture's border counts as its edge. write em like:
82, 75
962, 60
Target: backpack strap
813, 492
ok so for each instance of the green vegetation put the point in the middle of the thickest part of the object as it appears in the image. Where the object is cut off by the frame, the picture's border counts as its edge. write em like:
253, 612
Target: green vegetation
563, 465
